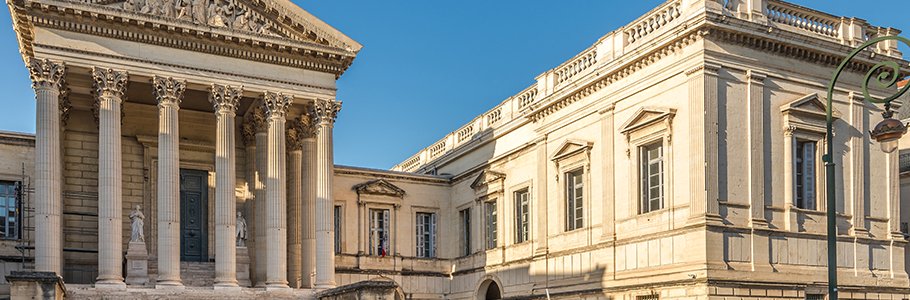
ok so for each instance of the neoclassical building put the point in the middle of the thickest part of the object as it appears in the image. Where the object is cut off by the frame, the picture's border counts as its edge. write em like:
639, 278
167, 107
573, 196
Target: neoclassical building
678, 157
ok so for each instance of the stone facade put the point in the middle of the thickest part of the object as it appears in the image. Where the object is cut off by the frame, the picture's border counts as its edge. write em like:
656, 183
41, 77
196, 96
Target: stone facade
675, 158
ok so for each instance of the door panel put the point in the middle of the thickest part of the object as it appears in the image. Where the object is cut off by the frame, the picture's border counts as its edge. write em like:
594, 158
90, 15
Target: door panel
193, 223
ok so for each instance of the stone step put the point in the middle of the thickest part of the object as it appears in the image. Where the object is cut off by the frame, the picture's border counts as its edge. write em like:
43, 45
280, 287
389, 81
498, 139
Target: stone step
201, 274
84, 291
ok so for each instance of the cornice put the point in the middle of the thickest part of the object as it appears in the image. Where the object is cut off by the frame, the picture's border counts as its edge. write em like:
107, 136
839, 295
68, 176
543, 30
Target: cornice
131, 26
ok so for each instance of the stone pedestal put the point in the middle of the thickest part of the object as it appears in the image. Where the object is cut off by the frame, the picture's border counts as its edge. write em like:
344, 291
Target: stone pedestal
35, 285
137, 264
243, 267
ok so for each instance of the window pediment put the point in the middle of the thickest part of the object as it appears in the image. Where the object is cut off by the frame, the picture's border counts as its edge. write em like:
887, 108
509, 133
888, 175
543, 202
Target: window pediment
646, 116
807, 113
488, 182
570, 147
379, 187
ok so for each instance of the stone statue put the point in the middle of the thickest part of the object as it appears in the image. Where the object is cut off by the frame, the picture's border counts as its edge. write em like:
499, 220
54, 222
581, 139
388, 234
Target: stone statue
168, 8
138, 220
216, 14
199, 11
241, 230
240, 22
184, 11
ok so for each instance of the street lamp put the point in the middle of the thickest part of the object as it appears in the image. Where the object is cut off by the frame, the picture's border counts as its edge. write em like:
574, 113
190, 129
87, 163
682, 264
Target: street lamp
886, 133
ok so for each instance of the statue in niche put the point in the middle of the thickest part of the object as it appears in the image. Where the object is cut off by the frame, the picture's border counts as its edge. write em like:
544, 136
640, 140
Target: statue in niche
138, 222
198, 11
241, 230
184, 11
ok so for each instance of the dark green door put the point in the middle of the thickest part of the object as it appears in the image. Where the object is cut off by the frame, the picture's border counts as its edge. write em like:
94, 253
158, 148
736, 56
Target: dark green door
193, 224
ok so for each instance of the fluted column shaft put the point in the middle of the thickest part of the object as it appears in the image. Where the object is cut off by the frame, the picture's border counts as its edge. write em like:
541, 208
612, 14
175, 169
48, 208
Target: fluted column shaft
325, 111
295, 203
225, 100
276, 106
109, 88
308, 226
47, 80
168, 184
259, 192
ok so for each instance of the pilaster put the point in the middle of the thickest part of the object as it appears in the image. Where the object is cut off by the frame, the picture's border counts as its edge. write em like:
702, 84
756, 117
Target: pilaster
325, 111
857, 145
608, 169
169, 93
47, 78
225, 99
756, 155
109, 87
276, 107
703, 167
540, 199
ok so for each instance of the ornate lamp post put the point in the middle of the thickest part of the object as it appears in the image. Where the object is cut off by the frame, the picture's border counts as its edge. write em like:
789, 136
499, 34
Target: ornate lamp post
886, 133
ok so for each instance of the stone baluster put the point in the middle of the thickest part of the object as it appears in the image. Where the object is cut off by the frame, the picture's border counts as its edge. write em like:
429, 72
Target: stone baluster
308, 216
169, 93
325, 111
225, 99
47, 79
110, 86
276, 107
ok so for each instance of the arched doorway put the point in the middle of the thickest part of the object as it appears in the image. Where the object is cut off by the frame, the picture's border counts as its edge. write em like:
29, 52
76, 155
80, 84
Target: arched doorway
489, 290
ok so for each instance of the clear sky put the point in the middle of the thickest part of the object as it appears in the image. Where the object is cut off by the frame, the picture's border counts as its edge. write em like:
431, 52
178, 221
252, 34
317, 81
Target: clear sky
429, 67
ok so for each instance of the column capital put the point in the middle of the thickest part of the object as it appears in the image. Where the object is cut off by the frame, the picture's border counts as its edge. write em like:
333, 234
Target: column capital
276, 104
46, 73
109, 82
167, 90
326, 111
299, 129
248, 133
225, 97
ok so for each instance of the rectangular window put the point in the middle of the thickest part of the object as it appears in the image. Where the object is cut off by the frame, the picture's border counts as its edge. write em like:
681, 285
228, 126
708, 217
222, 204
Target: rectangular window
9, 209
522, 215
804, 174
652, 177
338, 233
426, 235
489, 209
574, 200
465, 216
379, 232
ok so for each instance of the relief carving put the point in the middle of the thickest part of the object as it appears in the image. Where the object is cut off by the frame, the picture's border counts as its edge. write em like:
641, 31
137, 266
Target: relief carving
216, 13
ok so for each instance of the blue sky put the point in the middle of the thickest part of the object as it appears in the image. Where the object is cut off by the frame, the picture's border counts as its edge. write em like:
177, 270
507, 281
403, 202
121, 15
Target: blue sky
428, 67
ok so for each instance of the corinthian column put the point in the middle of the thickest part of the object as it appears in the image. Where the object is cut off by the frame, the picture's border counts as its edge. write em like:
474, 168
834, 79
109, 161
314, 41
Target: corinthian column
325, 112
169, 93
308, 189
295, 201
225, 99
47, 80
257, 121
276, 107
109, 88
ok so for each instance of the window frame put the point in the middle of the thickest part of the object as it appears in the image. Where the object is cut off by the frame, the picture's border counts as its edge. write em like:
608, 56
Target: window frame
12, 190
574, 204
490, 210
522, 215
803, 186
338, 226
429, 236
464, 221
645, 162
385, 231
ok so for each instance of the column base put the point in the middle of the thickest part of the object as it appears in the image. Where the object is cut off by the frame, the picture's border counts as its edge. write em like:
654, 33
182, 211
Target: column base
170, 285
277, 287
110, 285
224, 286
324, 286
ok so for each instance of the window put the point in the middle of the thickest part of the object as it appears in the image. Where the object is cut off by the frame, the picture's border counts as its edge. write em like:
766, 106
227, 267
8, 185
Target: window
9, 209
648, 297
426, 235
574, 200
652, 177
804, 174
522, 215
465, 216
337, 216
379, 232
489, 209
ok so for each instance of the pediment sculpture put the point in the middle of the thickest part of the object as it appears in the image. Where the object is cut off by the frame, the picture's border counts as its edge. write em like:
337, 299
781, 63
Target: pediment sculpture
230, 14
379, 187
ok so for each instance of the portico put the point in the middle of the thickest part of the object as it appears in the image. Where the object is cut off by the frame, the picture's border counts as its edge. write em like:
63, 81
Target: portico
245, 99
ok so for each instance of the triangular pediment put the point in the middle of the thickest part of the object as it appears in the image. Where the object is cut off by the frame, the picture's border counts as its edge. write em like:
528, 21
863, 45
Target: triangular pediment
485, 178
808, 105
274, 18
379, 187
570, 147
646, 116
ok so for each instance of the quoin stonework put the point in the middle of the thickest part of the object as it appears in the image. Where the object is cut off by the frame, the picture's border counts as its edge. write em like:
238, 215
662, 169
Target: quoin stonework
678, 157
